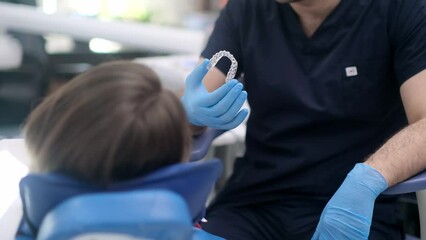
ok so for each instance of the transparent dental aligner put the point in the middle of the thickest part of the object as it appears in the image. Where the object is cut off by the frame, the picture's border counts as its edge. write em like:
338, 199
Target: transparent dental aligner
234, 64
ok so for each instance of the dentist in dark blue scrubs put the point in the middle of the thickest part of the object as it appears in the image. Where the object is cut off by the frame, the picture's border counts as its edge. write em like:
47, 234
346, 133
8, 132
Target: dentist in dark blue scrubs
337, 90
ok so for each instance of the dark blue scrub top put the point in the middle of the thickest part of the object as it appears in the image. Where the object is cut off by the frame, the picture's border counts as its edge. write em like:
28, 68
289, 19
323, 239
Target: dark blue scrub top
319, 105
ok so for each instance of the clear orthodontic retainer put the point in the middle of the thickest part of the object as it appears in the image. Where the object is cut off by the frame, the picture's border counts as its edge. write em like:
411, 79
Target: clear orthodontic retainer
234, 64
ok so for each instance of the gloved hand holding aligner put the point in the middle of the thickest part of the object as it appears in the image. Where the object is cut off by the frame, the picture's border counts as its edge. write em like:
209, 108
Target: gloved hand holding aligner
221, 108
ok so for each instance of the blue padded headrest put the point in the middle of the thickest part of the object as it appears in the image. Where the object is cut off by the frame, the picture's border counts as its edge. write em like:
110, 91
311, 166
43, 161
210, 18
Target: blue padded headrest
147, 214
193, 181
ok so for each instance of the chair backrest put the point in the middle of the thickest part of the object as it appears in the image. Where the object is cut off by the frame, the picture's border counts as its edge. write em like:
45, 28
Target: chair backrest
193, 181
144, 214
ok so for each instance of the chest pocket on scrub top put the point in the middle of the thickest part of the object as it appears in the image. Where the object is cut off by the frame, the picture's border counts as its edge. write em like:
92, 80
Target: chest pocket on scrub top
368, 88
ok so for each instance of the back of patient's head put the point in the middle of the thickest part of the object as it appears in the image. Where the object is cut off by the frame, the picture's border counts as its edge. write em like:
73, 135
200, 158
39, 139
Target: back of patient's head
114, 122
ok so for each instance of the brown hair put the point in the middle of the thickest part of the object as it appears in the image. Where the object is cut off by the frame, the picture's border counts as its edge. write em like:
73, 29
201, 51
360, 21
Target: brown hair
111, 123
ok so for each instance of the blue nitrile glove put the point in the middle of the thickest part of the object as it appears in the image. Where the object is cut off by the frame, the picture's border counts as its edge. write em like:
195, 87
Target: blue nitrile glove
349, 212
218, 109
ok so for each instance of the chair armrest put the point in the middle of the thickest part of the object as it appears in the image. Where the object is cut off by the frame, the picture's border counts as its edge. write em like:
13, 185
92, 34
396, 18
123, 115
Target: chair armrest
23, 238
199, 234
202, 142
413, 184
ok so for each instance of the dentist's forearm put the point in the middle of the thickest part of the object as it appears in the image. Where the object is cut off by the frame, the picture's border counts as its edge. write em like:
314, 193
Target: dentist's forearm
403, 155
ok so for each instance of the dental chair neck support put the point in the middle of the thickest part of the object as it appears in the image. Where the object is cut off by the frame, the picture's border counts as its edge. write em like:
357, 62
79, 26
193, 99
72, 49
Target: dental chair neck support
42, 193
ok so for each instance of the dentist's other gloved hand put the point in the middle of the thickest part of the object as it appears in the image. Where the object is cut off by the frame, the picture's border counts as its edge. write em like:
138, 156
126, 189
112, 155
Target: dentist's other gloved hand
220, 109
348, 214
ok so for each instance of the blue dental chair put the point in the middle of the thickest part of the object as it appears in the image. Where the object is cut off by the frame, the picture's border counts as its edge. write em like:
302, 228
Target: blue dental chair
162, 205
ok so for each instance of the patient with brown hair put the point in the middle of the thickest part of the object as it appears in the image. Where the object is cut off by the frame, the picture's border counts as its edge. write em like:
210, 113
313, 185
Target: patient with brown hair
115, 131
112, 123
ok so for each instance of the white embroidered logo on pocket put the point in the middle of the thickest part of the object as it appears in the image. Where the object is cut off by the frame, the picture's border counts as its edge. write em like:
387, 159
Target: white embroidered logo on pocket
351, 71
